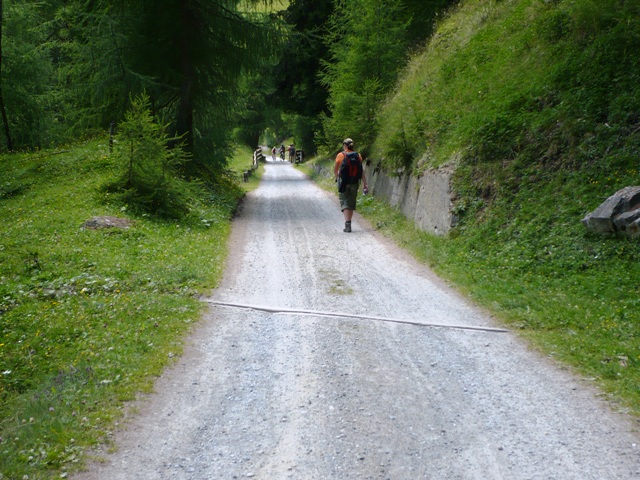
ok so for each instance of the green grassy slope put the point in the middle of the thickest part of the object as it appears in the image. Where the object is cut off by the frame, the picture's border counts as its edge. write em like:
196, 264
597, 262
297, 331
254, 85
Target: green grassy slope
538, 105
88, 318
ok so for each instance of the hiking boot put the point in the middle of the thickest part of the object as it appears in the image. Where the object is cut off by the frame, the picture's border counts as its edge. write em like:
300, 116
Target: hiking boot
347, 227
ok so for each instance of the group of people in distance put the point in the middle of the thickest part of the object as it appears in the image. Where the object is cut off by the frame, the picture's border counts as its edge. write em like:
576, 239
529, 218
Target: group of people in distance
281, 150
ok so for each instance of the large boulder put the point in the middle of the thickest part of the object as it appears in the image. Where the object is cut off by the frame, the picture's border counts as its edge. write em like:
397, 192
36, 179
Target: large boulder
618, 213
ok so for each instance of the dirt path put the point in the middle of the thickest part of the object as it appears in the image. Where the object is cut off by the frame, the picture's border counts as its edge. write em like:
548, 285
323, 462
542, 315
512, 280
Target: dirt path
271, 395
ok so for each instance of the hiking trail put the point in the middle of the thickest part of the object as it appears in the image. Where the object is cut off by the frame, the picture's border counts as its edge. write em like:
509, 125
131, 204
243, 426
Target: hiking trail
327, 355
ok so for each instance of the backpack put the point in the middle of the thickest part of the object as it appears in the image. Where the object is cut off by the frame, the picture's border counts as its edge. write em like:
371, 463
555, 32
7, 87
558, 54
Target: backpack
350, 171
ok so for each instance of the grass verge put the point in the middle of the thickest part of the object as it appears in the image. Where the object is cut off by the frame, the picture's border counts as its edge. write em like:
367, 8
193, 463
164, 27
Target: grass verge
241, 162
89, 318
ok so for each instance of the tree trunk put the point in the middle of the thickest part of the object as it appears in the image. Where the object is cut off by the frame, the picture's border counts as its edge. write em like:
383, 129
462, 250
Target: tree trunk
184, 116
5, 120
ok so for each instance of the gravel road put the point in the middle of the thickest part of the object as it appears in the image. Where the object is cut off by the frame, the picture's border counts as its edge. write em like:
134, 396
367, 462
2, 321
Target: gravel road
292, 395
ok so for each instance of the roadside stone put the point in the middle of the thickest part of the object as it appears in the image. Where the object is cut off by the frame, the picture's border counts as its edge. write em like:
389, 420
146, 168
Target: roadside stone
618, 213
96, 223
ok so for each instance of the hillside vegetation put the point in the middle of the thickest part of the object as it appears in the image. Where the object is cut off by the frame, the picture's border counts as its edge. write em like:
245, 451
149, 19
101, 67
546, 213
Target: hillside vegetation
537, 103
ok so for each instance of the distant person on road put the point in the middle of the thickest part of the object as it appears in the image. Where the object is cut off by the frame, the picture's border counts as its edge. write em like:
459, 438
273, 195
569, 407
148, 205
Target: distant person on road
348, 171
282, 150
273, 153
292, 153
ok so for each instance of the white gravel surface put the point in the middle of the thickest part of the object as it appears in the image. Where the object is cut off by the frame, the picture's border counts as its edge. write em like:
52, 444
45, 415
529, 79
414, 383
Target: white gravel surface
269, 395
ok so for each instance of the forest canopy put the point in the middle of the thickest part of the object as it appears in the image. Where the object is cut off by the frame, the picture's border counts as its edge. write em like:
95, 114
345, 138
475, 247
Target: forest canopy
70, 68
215, 71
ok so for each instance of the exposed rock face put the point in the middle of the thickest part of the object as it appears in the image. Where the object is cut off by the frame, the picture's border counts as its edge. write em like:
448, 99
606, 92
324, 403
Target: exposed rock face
107, 222
618, 213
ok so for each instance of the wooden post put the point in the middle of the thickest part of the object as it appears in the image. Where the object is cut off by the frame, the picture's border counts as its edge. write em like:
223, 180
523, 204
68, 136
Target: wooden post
112, 132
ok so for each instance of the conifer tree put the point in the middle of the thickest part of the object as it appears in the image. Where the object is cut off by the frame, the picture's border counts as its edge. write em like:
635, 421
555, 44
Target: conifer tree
368, 46
27, 75
188, 55
3, 111
194, 52
149, 181
297, 89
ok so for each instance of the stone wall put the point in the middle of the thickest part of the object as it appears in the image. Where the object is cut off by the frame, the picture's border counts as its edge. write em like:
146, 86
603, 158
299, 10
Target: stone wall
426, 199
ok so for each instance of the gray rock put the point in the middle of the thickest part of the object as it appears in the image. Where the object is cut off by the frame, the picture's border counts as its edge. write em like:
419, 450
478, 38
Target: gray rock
618, 213
107, 222
628, 222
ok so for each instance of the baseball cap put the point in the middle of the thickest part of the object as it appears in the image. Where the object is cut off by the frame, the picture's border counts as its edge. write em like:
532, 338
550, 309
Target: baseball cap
347, 141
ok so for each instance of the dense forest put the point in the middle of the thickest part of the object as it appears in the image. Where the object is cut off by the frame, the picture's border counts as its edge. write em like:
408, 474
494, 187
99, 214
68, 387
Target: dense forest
215, 71
196, 78
71, 68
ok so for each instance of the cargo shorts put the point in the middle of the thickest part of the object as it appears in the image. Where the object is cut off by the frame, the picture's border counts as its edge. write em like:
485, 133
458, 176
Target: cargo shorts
349, 196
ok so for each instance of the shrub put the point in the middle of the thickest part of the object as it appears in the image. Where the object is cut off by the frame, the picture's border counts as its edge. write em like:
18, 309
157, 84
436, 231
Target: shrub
148, 181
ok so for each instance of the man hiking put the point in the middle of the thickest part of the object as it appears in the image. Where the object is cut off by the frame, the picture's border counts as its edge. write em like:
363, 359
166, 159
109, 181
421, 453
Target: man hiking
348, 171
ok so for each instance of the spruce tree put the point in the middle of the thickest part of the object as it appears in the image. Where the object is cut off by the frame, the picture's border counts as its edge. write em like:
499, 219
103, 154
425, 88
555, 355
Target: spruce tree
194, 52
297, 90
368, 46
148, 180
